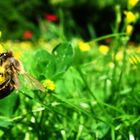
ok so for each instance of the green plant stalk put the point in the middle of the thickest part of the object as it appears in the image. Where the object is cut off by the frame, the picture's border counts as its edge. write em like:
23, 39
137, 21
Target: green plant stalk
91, 30
126, 39
115, 50
124, 64
36, 127
63, 135
79, 132
52, 110
88, 88
62, 23
92, 94
125, 42
113, 86
41, 118
106, 36
112, 133
77, 109
44, 105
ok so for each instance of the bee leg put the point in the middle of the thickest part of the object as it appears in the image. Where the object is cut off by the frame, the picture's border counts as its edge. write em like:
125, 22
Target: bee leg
15, 81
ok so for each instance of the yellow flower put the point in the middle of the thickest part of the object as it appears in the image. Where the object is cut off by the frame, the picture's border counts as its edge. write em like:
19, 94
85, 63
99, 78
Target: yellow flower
84, 46
103, 49
132, 3
129, 29
130, 17
119, 56
48, 84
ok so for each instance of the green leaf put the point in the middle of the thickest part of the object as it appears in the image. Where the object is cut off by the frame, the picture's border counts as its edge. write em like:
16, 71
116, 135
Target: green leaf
9, 104
43, 64
5, 122
63, 54
48, 66
101, 130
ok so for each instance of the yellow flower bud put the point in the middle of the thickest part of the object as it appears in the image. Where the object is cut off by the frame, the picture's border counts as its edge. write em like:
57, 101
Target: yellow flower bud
129, 29
130, 17
48, 84
84, 46
132, 3
103, 49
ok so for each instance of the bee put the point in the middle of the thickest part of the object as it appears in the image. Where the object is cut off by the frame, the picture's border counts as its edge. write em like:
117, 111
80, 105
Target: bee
10, 68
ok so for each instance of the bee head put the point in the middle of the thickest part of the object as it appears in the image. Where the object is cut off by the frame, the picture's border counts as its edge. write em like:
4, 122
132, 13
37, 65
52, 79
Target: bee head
5, 55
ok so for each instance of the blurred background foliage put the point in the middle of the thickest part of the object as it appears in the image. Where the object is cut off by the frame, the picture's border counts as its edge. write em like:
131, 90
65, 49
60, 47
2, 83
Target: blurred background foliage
82, 53
87, 16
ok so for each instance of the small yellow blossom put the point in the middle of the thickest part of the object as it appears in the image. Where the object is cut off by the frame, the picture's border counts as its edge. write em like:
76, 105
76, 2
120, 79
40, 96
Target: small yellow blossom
119, 56
130, 16
129, 29
84, 46
132, 3
48, 84
103, 49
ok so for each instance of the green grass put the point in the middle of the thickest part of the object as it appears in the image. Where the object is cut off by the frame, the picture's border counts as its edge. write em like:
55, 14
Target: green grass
97, 94
91, 101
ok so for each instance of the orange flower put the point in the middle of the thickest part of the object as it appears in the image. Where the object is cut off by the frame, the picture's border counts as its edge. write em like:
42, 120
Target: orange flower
27, 35
51, 17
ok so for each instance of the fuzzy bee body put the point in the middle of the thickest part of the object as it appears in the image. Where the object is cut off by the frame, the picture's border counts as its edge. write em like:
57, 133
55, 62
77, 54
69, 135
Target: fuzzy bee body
5, 90
10, 68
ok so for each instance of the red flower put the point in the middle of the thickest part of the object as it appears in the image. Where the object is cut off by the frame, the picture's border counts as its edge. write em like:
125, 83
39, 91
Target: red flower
27, 35
51, 17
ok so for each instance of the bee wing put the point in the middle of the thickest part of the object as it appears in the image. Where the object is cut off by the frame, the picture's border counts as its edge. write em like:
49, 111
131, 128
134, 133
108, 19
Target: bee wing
34, 82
